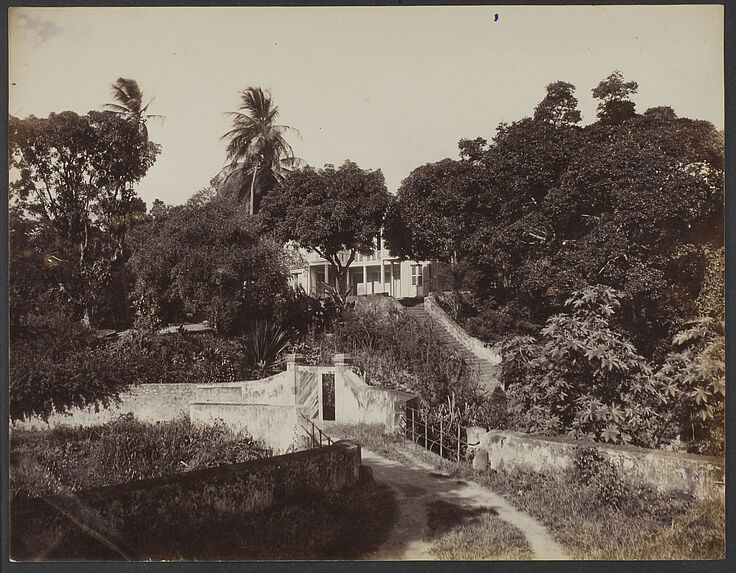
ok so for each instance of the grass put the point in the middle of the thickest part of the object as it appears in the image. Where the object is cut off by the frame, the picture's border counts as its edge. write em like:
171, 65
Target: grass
462, 534
68, 459
647, 525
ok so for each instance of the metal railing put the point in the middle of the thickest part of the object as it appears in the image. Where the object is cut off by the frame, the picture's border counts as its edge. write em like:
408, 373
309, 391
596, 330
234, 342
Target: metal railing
449, 439
317, 438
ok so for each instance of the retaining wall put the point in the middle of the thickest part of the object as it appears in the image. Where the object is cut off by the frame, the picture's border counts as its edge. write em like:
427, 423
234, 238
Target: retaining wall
358, 403
663, 470
196, 496
274, 426
147, 402
473, 344
276, 390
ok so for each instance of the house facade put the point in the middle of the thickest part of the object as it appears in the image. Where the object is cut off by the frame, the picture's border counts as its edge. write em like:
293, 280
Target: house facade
376, 273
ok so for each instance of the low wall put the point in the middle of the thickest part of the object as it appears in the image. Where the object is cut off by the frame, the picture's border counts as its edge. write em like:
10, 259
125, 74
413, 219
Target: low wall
274, 426
276, 390
147, 402
663, 470
198, 496
358, 403
475, 345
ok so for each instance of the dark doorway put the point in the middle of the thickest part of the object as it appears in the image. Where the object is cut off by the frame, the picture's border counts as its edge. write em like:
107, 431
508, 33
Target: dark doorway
328, 396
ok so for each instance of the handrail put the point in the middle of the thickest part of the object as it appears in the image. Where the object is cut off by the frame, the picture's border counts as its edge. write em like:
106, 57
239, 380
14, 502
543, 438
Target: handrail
315, 442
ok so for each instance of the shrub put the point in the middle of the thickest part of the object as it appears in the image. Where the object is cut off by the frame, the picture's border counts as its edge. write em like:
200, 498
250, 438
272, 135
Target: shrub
585, 378
592, 470
264, 346
56, 365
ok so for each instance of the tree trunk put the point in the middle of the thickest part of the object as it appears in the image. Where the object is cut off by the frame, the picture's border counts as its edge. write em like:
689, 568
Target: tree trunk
253, 186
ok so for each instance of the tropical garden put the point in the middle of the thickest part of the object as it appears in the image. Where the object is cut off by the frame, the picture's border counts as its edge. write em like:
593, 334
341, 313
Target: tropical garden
592, 256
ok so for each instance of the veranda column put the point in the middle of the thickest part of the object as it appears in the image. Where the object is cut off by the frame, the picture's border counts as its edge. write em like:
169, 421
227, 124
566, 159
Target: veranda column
327, 274
383, 277
365, 278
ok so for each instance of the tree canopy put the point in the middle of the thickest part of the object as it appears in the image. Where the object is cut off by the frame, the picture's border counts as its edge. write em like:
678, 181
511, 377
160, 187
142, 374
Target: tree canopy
330, 211
76, 189
548, 208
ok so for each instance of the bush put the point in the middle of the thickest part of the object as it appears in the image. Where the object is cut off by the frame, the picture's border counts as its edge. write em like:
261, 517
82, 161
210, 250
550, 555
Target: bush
585, 378
264, 346
593, 471
69, 458
56, 365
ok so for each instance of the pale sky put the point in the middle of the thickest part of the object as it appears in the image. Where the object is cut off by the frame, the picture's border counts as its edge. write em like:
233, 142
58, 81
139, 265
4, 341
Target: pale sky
390, 88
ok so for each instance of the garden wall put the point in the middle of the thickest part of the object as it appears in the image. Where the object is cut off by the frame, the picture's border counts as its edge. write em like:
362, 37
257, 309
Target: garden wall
202, 496
663, 470
475, 345
277, 390
274, 426
358, 403
147, 402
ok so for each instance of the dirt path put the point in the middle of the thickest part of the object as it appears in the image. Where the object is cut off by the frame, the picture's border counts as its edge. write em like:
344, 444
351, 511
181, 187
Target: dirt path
417, 486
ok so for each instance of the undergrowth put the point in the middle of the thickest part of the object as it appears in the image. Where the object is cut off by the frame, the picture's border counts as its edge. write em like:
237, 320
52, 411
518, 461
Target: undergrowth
64, 459
590, 509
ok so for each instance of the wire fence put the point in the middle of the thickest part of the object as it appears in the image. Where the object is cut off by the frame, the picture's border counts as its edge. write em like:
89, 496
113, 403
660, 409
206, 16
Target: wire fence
435, 432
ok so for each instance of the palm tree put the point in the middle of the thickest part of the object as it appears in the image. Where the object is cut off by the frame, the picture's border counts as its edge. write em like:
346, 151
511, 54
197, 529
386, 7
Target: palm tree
129, 97
257, 148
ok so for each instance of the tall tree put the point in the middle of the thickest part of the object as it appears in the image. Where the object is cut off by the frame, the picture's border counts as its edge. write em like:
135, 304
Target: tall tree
330, 211
614, 94
75, 184
257, 149
129, 103
559, 107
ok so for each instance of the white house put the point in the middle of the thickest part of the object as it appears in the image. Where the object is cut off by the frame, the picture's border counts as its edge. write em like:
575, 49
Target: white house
377, 273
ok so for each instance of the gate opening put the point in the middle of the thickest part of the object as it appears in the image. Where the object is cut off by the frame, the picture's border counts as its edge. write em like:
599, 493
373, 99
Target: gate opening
328, 396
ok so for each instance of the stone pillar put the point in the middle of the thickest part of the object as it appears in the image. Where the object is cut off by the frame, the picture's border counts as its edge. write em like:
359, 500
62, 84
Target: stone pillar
342, 364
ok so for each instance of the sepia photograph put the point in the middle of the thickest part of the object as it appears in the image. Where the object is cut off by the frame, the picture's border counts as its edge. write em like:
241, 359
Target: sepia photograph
386, 283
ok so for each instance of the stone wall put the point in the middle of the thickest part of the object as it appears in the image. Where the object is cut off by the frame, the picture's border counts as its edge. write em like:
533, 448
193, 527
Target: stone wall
666, 471
475, 345
277, 427
226, 490
358, 403
276, 390
147, 402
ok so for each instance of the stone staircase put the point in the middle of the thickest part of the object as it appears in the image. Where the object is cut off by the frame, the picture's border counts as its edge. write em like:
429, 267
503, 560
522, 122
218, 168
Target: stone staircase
488, 372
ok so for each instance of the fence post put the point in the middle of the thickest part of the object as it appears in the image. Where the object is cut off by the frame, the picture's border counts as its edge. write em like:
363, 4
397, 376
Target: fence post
458, 443
320, 437
441, 437
412, 425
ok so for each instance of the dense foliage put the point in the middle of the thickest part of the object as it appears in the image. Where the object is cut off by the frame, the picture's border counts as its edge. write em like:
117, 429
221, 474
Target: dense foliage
549, 208
204, 259
633, 203
584, 377
334, 212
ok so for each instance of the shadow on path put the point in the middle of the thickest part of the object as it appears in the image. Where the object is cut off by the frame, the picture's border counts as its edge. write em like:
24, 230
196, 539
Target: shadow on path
417, 488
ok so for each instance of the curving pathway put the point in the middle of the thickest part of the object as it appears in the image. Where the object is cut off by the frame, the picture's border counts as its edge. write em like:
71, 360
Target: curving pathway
417, 486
